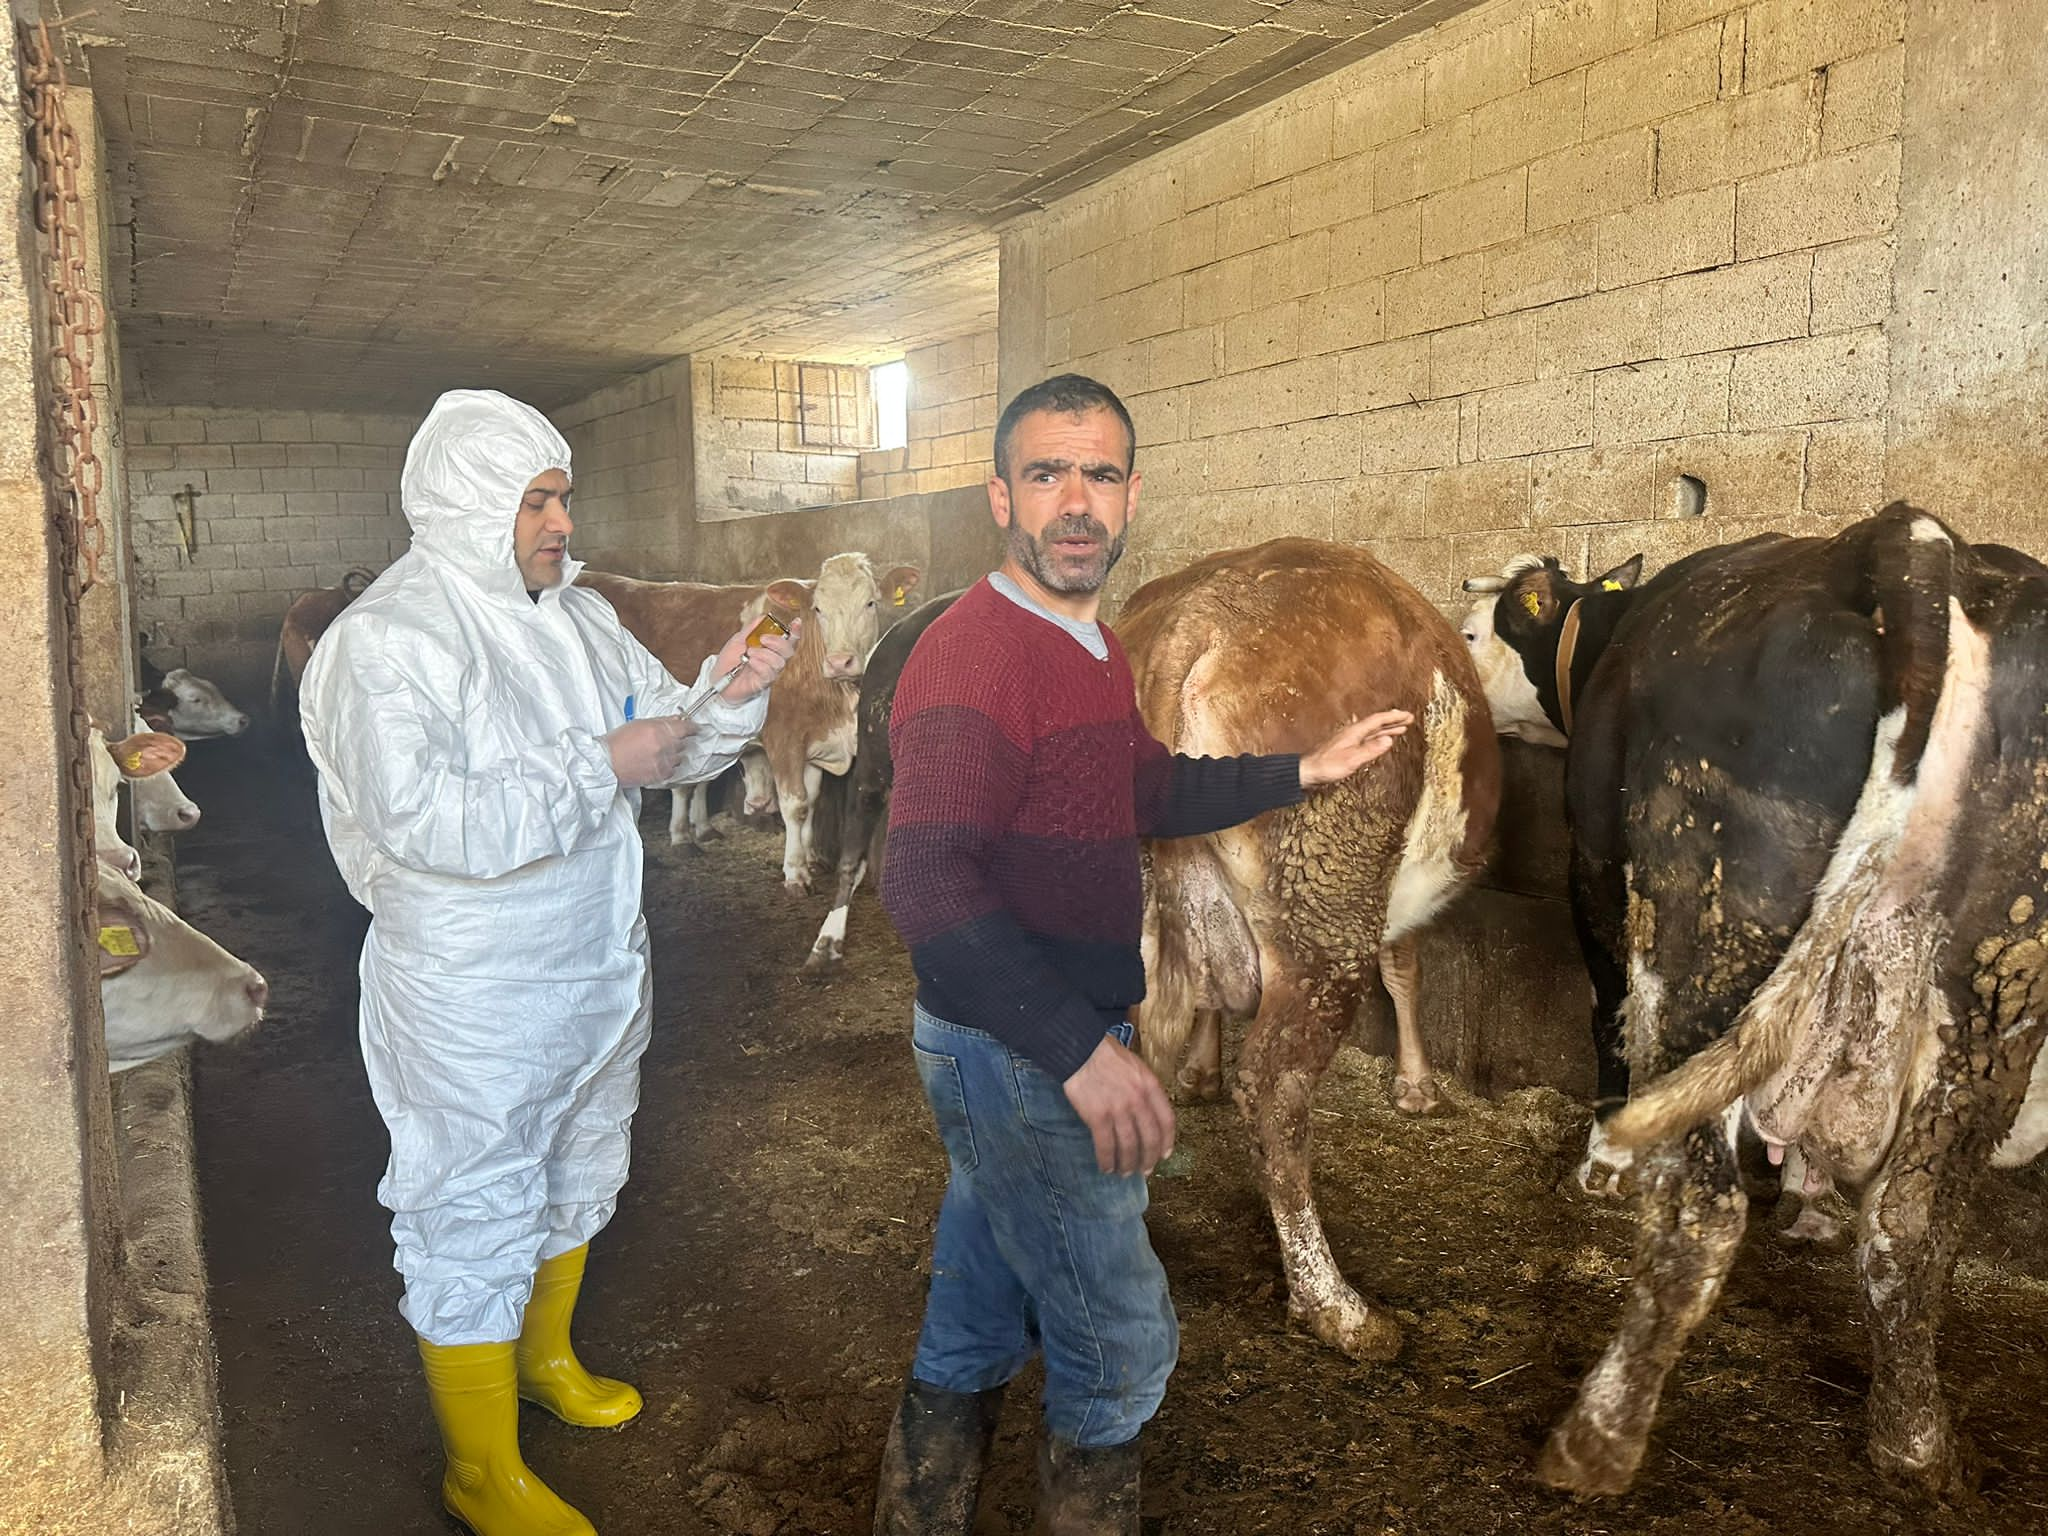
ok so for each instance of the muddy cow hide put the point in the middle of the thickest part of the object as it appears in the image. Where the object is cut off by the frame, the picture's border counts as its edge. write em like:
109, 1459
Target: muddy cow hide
864, 826
1272, 649
1805, 791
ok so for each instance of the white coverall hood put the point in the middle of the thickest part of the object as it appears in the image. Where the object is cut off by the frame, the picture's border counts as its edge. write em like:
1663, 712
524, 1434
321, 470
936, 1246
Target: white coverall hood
468, 795
465, 472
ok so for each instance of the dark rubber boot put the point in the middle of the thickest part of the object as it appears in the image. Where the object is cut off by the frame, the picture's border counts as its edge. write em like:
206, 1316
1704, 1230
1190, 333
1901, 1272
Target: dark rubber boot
1087, 1491
931, 1467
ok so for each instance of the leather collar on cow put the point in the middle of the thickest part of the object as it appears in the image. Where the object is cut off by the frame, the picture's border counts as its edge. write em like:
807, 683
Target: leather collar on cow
1567, 647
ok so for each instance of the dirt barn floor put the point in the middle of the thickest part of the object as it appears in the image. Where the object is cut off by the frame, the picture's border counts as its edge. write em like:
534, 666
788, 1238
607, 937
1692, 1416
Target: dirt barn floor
763, 1279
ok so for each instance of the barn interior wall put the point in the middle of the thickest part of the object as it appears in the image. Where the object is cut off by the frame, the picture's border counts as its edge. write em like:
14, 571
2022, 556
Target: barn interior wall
635, 473
1502, 285
953, 410
762, 442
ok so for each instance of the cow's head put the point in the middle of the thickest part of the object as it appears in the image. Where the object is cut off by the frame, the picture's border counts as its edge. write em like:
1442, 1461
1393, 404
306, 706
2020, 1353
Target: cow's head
192, 707
1522, 624
850, 609
163, 982
139, 758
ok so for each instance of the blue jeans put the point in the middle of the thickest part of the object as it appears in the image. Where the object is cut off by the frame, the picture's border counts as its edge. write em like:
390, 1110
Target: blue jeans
1037, 1248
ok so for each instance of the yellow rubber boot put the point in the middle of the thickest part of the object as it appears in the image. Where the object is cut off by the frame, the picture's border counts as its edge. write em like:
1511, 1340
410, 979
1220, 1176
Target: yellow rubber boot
549, 1372
488, 1487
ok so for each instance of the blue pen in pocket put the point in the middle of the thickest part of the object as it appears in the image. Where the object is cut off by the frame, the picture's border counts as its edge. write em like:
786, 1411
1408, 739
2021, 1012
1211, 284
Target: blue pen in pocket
629, 706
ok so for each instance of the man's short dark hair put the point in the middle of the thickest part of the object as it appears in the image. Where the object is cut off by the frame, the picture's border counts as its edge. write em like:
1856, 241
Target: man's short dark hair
1070, 394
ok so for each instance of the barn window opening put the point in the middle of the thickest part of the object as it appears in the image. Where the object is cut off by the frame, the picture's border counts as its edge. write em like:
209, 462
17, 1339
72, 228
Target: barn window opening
1688, 496
889, 384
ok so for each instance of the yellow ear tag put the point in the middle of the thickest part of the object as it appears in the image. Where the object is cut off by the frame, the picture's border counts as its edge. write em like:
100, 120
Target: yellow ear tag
1533, 603
132, 762
897, 599
119, 941
1610, 586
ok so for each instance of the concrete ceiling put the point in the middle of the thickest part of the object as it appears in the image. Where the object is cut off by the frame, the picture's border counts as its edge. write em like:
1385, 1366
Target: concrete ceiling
357, 203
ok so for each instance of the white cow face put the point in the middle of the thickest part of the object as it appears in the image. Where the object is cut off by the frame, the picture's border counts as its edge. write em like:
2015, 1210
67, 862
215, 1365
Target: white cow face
851, 608
163, 982
198, 709
1510, 695
140, 758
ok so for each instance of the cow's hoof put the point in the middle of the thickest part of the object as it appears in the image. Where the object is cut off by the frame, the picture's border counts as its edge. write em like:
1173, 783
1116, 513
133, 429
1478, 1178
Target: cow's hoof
1924, 1455
1603, 1172
1351, 1327
1202, 1084
1419, 1098
796, 885
712, 833
1812, 1225
821, 966
1580, 1459
690, 848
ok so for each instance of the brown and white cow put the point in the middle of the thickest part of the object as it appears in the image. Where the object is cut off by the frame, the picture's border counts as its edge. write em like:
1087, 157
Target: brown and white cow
137, 759
1804, 787
1272, 649
304, 623
810, 726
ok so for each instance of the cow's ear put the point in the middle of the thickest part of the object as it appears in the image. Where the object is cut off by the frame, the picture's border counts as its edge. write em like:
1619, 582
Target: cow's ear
790, 594
155, 716
899, 583
147, 753
123, 937
1535, 597
1623, 576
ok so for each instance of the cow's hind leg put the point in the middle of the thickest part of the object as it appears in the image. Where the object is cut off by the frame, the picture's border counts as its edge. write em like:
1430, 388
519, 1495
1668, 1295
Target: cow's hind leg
1285, 1053
1201, 1070
1690, 1226
1415, 1090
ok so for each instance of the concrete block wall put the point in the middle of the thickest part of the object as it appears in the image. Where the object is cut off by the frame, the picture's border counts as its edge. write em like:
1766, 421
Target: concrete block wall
1501, 286
755, 450
285, 501
953, 409
634, 471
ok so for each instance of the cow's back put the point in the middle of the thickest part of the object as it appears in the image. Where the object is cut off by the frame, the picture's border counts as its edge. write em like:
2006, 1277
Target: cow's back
681, 622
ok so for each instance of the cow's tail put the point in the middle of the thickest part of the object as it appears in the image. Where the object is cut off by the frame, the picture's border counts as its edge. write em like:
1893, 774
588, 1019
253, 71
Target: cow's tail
1173, 965
1929, 690
282, 692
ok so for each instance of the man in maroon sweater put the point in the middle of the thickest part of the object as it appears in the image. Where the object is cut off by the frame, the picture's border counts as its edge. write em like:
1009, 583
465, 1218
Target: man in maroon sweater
1024, 778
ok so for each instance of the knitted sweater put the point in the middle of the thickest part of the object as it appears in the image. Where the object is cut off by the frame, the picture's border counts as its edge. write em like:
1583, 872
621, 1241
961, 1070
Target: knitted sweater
1024, 777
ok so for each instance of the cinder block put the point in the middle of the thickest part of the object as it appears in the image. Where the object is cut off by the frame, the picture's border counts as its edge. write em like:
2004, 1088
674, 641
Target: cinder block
1594, 485
231, 481
1263, 216
956, 354
1482, 355
1742, 136
235, 578
1422, 163
1478, 214
284, 427
320, 504
1852, 285
1265, 336
173, 429
337, 479
1660, 399
1327, 449
1863, 98
202, 456
1376, 245
232, 429
281, 480
1529, 124
289, 578
1653, 80
1266, 397
1748, 475
1575, 32
1379, 111
1587, 179
1677, 15
954, 416
366, 504
291, 529
1539, 269
1536, 418
195, 582
1687, 233
1840, 198
1739, 306
1820, 378
139, 459
1430, 298
1480, 69
1289, 142
1379, 507
1152, 310
265, 504
1338, 319
1789, 37
1289, 270
1472, 498
334, 427
1403, 437
1329, 194
1845, 468
1222, 170
310, 455
260, 455
1391, 373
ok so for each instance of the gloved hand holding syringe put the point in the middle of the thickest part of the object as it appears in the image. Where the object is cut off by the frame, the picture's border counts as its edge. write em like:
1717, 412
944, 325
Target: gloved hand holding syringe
650, 751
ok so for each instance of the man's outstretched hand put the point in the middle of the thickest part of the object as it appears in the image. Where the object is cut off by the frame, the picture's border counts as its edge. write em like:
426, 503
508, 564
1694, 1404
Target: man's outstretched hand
1353, 747
1122, 1104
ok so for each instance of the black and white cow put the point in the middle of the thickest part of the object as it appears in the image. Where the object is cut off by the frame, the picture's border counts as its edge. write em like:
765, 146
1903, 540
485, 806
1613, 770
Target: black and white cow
864, 823
1808, 829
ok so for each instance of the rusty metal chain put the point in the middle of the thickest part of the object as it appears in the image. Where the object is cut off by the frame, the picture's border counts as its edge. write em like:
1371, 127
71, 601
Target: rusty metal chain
75, 316
76, 313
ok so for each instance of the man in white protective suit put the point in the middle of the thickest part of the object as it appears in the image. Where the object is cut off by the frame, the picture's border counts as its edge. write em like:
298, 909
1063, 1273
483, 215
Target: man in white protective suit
482, 729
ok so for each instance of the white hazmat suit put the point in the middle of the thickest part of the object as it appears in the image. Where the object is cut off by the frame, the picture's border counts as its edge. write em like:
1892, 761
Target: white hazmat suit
458, 727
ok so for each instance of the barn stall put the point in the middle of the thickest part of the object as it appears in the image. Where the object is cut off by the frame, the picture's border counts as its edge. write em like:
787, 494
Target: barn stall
1588, 277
